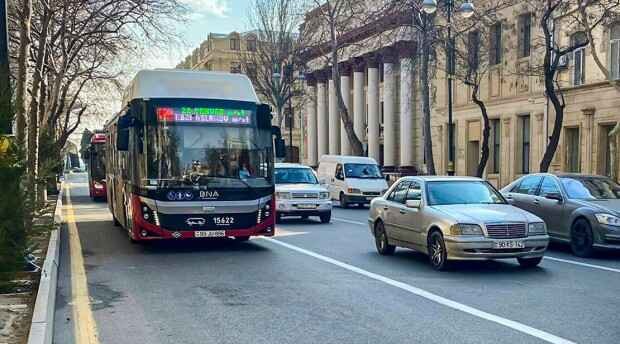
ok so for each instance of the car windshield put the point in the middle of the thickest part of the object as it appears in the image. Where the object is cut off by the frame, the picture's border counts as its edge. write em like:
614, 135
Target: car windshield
462, 192
295, 176
590, 188
369, 171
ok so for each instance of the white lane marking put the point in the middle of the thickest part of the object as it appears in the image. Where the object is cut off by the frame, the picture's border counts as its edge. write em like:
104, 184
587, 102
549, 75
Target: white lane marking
568, 261
349, 221
600, 267
546, 336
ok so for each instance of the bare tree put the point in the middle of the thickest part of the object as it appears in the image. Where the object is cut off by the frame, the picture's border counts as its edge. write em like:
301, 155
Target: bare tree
568, 14
70, 50
272, 50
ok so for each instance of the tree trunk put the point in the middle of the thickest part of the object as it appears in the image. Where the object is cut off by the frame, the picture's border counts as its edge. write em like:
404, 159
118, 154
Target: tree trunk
22, 72
554, 139
484, 157
426, 105
33, 127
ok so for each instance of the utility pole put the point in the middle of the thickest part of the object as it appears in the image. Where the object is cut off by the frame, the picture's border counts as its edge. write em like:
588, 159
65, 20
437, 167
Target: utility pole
6, 117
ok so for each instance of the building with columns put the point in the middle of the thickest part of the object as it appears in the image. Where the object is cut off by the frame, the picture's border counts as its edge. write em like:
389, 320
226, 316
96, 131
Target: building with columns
379, 82
379, 88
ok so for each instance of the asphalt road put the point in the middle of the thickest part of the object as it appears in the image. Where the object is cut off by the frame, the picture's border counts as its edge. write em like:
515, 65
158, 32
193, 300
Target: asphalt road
316, 283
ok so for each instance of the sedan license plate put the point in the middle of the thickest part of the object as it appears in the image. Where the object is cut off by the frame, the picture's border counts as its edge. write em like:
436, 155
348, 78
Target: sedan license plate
306, 206
209, 234
508, 244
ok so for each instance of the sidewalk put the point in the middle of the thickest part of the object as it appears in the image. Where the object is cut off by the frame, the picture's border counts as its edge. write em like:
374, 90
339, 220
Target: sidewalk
17, 306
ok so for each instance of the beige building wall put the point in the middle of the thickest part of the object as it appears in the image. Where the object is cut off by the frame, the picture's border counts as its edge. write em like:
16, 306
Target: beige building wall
592, 110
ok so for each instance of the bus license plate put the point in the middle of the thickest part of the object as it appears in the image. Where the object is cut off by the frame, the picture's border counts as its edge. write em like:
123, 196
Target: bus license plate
209, 234
508, 244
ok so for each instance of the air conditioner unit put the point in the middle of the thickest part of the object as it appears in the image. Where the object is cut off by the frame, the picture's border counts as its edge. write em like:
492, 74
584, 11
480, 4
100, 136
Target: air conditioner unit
563, 62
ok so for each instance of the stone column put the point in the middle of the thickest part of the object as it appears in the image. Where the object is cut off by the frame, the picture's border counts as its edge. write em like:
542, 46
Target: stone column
322, 118
389, 116
373, 110
359, 101
311, 115
587, 139
407, 89
334, 120
345, 88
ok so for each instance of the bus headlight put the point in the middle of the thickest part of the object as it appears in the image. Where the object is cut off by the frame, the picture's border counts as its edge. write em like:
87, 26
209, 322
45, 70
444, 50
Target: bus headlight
148, 214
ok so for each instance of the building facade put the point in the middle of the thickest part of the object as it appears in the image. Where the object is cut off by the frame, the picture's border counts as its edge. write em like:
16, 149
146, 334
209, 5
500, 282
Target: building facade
380, 89
225, 53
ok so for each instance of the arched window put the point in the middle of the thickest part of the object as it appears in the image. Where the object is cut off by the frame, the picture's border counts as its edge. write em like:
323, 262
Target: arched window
614, 51
579, 58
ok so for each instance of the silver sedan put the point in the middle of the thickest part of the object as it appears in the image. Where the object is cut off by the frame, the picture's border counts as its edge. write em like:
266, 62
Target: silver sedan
455, 218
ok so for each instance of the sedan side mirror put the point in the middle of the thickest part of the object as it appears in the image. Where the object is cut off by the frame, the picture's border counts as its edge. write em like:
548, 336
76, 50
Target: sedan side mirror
555, 196
413, 203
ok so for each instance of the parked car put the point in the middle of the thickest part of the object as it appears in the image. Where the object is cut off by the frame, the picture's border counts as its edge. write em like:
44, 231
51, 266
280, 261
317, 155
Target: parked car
298, 193
455, 218
351, 179
583, 210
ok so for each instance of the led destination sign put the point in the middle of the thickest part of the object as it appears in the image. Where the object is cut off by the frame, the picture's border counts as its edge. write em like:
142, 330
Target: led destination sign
204, 115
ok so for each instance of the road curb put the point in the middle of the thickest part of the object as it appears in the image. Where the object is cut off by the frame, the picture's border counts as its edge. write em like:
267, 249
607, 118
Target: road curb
42, 327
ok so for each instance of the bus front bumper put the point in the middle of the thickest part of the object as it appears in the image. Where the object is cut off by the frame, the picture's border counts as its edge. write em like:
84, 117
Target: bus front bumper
146, 231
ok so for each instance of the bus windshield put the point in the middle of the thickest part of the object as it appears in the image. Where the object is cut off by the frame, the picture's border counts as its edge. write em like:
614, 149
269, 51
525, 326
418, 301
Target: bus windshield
196, 153
97, 162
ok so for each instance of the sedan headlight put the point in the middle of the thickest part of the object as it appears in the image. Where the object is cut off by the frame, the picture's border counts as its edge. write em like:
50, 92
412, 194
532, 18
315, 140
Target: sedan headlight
608, 219
283, 195
324, 195
354, 191
537, 228
465, 229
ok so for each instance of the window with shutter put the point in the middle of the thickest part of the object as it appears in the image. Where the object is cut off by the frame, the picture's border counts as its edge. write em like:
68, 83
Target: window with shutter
525, 29
495, 46
579, 59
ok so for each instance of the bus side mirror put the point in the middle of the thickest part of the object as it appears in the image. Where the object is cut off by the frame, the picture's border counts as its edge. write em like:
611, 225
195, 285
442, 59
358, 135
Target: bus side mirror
280, 148
263, 116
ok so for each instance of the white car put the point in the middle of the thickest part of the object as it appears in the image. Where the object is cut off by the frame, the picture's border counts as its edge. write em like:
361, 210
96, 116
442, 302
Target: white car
298, 193
351, 179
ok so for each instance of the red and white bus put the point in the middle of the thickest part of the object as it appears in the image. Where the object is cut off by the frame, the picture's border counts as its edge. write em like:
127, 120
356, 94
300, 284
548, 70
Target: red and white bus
95, 155
191, 155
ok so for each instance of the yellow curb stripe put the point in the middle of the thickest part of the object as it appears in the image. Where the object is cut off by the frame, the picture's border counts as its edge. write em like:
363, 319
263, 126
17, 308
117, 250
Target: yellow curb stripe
85, 329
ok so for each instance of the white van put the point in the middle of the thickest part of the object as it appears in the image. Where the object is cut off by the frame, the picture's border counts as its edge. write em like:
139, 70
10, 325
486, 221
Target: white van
351, 179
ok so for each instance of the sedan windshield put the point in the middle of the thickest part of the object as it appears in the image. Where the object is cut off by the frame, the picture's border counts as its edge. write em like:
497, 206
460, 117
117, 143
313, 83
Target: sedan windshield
368, 171
462, 192
295, 176
591, 188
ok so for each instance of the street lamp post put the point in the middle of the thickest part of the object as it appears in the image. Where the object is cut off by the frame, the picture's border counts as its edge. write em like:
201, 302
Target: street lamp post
466, 10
